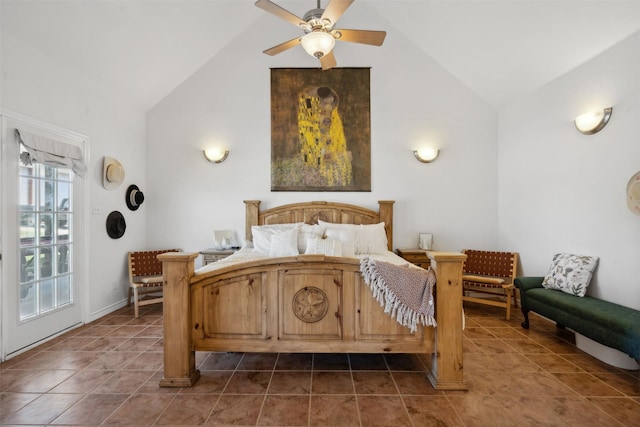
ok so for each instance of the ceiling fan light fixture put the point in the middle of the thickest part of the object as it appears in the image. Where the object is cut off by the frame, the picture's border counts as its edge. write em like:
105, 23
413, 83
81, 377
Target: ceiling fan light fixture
318, 43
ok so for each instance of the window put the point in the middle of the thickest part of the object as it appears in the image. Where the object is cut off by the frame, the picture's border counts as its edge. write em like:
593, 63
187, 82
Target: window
46, 239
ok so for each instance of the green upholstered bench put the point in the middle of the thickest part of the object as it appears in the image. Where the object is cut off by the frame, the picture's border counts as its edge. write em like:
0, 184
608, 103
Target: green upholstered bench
610, 324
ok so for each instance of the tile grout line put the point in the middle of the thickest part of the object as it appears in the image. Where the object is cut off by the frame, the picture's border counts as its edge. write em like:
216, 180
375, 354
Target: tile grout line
355, 395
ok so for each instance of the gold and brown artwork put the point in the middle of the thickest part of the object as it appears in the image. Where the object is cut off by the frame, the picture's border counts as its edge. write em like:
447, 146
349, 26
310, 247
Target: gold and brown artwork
320, 129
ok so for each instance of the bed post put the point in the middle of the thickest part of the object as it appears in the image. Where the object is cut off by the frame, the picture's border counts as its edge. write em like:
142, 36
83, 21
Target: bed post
386, 216
446, 371
252, 208
179, 355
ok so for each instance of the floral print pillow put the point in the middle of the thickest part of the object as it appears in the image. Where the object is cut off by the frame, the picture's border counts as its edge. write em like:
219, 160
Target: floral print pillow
570, 273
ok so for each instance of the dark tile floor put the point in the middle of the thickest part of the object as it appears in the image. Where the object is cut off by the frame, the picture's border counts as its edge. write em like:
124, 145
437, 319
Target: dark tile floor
107, 372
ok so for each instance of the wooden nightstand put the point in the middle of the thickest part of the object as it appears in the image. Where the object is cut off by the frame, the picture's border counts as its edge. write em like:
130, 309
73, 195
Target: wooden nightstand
212, 255
415, 256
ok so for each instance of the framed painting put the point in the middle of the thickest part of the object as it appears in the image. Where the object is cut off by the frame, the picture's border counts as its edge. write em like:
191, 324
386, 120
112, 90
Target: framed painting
320, 129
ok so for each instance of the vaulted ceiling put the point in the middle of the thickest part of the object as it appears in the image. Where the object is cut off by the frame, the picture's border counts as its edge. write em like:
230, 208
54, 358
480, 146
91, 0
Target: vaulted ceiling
501, 50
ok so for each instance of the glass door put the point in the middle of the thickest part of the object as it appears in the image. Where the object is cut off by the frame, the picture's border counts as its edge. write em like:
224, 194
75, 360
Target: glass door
46, 240
42, 289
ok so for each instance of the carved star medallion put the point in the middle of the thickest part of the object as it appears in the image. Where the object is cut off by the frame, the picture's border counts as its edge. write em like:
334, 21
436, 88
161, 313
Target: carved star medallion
310, 304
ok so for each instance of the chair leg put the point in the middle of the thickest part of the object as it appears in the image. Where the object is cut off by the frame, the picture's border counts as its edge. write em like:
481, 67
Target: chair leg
508, 291
136, 311
130, 295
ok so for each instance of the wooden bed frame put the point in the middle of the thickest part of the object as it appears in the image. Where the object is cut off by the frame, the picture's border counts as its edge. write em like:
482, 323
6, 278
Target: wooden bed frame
251, 307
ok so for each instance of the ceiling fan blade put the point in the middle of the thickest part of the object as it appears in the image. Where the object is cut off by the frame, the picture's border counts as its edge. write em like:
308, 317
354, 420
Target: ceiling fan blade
283, 46
328, 61
281, 13
375, 38
335, 9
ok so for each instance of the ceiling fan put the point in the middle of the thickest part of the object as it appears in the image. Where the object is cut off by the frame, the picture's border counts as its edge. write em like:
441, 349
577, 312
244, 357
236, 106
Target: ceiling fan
320, 35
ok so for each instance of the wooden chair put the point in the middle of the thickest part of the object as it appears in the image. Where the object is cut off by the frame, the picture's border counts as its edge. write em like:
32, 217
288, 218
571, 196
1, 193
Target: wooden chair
490, 272
145, 278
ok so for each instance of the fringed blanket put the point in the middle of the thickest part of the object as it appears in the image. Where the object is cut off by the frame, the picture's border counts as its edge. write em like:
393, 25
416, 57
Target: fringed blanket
405, 292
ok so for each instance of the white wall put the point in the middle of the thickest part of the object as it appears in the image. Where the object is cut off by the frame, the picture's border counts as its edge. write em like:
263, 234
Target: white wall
561, 191
413, 101
36, 86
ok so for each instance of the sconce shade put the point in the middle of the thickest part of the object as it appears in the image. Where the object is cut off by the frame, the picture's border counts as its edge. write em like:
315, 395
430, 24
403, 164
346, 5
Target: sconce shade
215, 155
318, 43
426, 155
593, 121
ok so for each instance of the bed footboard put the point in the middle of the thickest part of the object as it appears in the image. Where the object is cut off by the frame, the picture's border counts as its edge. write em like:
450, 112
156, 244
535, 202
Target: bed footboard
254, 307
179, 355
447, 367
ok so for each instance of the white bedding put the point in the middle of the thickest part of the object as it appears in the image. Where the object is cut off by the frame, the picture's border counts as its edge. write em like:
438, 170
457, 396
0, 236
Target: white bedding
250, 254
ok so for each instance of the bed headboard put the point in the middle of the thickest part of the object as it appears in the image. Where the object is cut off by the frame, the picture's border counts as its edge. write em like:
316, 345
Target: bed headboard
311, 212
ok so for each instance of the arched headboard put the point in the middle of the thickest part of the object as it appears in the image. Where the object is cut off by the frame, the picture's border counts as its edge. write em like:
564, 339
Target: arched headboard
311, 212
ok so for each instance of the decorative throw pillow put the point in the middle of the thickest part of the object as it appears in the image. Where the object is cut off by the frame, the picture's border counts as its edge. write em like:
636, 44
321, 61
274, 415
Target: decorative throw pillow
329, 247
570, 273
308, 231
346, 236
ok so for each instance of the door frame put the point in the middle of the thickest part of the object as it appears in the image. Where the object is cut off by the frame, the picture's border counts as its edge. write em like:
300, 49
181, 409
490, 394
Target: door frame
81, 229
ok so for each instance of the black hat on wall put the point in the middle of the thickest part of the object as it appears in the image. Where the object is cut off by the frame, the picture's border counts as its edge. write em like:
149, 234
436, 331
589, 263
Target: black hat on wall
116, 225
134, 198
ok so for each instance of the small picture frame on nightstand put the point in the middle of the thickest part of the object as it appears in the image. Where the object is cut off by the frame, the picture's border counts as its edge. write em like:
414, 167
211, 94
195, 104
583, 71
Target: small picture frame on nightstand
425, 241
223, 239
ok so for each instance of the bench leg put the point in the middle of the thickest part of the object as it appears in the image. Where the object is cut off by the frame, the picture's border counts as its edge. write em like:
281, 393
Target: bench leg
525, 313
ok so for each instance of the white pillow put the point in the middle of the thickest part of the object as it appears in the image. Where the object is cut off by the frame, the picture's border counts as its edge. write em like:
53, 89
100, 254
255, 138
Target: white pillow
371, 239
284, 243
263, 234
346, 236
307, 231
329, 247
368, 238
570, 273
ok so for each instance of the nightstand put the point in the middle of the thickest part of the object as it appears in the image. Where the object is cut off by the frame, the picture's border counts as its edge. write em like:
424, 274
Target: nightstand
212, 254
415, 256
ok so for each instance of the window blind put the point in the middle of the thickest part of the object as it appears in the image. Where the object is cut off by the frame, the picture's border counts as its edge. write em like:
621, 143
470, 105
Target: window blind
41, 149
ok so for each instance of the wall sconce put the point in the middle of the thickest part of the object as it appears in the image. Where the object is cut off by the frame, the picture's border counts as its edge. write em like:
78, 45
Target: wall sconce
215, 155
426, 155
593, 121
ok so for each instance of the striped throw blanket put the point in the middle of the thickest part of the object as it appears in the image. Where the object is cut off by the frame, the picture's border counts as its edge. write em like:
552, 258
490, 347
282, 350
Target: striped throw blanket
405, 292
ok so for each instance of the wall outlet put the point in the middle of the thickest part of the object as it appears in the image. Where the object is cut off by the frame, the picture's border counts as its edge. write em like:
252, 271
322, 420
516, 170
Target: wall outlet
114, 285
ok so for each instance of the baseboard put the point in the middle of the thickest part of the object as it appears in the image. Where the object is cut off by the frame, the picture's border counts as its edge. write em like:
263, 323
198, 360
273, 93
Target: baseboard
608, 355
106, 310
39, 342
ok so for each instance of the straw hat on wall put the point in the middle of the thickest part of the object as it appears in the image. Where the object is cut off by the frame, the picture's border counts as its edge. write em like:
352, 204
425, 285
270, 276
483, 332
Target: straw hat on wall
112, 173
